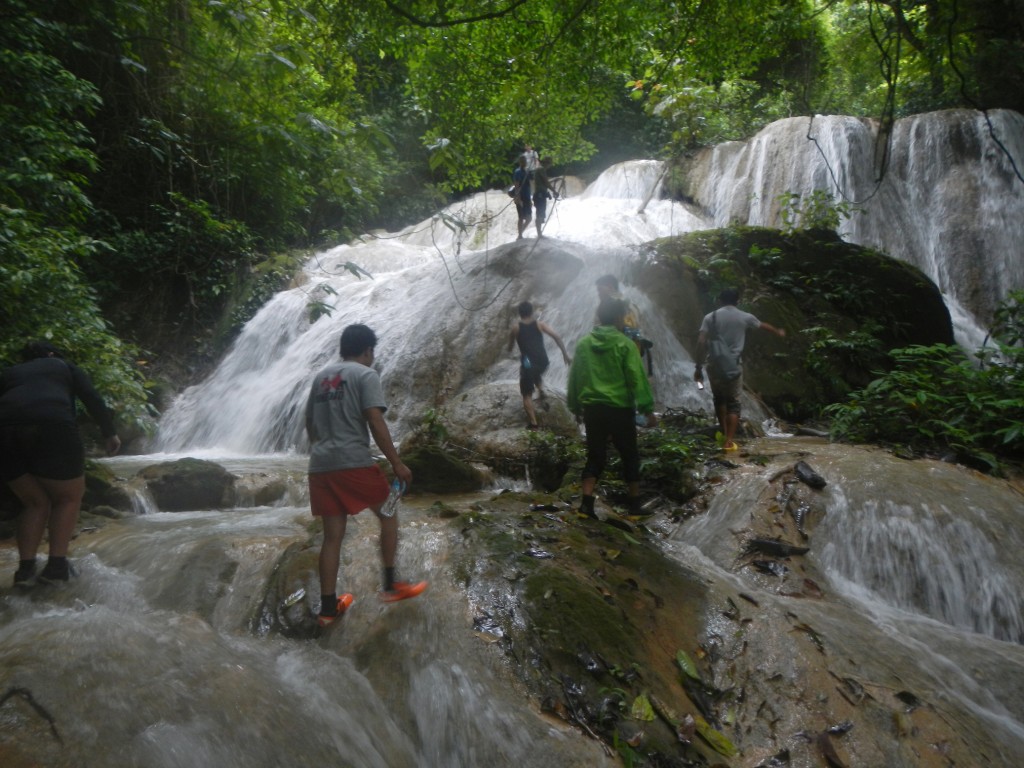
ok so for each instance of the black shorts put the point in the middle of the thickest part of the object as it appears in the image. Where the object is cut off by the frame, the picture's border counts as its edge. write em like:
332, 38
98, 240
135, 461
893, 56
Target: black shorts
51, 450
524, 207
531, 378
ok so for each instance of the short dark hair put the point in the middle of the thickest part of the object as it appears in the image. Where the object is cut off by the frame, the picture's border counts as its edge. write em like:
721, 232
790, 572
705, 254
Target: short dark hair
729, 296
611, 311
36, 349
608, 280
356, 339
525, 309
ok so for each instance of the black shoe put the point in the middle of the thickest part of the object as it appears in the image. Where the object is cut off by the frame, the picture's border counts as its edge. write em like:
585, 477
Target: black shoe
55, 570
25, 575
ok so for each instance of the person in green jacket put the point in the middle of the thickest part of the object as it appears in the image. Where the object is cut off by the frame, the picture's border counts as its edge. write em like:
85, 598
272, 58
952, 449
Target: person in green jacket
607, 388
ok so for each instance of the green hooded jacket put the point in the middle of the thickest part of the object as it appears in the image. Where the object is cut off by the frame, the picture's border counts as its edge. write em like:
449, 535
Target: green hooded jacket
607, 370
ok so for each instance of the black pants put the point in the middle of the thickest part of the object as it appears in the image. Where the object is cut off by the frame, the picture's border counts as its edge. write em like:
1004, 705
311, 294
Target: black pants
619, 424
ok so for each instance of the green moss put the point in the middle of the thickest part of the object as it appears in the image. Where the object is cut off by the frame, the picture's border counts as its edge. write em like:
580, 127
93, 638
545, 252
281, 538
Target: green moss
842, 305
559, 603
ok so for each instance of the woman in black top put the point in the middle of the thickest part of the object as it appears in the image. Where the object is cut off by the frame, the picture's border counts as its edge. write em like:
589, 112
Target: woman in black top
42, 458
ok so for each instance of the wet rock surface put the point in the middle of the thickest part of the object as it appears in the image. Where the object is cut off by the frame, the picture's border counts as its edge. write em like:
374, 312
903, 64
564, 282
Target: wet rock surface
610, 630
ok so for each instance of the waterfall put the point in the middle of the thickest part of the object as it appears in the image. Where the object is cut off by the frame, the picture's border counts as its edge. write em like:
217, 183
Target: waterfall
950, 201
435, 304
442, 292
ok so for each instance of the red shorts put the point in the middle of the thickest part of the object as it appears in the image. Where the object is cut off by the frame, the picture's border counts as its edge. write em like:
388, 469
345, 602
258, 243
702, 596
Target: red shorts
347, 491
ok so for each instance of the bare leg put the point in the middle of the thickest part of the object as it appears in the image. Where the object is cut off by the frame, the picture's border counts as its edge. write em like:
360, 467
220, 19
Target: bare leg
732, 423
34, 516
388, 538
330, 552
531, 414
587, 486
65, 503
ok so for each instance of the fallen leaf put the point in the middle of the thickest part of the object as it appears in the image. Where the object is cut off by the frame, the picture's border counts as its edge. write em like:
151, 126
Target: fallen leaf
686, 664
642, 709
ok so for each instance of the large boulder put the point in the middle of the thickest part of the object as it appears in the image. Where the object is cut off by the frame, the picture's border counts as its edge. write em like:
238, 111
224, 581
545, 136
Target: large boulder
189, 484
843, 306
104, 489
487, 422
436, 470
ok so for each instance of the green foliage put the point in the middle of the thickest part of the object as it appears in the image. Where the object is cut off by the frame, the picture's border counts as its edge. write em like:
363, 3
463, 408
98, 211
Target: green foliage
818, 210
43, 294
937, 397
902, 58
668, 459
188, 259
835, 359
432, 428
738, 67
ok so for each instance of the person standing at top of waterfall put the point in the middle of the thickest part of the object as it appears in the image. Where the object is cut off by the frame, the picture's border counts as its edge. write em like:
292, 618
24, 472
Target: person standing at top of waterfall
607, 389
42, 457
345, 407
728, 324
521, 196
541, 194
533, 357
532, 159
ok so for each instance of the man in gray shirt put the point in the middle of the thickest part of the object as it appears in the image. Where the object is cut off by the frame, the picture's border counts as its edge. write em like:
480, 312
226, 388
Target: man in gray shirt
729, 324
345, 406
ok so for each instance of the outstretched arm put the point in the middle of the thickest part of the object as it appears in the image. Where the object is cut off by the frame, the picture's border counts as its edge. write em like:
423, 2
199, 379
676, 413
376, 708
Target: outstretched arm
780, 332
545, 328
512, 335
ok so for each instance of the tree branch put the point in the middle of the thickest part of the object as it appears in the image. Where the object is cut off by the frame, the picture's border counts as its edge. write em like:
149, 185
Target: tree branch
395, 8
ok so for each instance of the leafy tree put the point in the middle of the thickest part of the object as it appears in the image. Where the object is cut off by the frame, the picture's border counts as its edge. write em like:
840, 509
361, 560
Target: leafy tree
45, 159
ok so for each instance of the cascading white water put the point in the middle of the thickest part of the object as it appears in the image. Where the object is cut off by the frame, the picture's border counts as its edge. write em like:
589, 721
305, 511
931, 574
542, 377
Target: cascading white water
950, 201
433, 303
925, 558
931, 559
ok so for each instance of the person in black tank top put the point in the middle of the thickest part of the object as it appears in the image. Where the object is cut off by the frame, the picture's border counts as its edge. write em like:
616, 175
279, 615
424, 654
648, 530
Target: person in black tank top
533, 357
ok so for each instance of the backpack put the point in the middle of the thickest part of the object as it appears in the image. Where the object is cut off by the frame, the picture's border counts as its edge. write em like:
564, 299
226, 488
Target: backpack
720, 355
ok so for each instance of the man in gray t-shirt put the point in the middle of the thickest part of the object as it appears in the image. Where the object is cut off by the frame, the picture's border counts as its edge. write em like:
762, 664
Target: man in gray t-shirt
340, 395
729, 324
345, 407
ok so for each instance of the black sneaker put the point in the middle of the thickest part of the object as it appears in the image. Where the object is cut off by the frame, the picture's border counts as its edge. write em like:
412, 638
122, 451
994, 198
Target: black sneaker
55, 570
25, 575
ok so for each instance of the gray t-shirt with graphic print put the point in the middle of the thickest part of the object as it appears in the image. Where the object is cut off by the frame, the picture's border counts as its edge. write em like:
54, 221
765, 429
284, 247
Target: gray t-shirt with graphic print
340, 394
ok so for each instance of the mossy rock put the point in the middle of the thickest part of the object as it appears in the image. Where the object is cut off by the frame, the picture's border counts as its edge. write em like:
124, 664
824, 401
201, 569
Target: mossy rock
843, 307
104, 489
593, 616
436, 471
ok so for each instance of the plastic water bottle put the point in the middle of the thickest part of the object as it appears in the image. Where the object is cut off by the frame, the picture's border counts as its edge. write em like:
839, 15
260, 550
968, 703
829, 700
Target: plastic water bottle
391, 505
526, 362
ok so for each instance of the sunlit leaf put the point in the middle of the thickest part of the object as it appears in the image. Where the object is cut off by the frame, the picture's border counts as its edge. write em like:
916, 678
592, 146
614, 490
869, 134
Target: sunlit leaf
642, 709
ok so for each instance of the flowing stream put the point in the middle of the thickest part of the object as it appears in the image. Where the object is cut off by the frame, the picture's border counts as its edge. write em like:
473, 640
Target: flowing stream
152, 657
